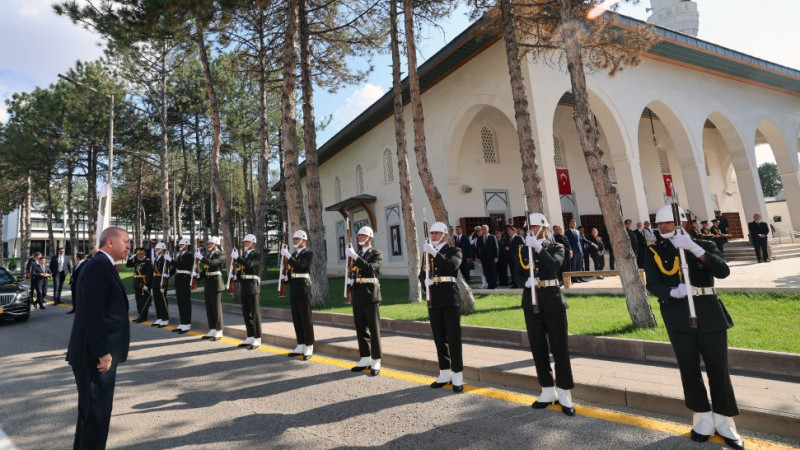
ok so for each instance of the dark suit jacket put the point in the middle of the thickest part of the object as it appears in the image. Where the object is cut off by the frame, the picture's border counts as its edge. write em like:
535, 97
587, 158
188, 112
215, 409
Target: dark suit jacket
300, 262
101, 319
249, 264
54, 264
757, 228
489, 250
574, 238
464, 245
37, 272
445, 264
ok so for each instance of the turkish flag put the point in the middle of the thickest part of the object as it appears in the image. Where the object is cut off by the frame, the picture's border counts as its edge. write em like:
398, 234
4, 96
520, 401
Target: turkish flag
564, 188
668, 184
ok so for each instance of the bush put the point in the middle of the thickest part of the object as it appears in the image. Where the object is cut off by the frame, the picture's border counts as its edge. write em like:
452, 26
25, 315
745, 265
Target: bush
12, 265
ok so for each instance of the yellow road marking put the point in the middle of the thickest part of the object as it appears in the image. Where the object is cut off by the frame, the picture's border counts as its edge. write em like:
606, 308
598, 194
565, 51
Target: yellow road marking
662, 426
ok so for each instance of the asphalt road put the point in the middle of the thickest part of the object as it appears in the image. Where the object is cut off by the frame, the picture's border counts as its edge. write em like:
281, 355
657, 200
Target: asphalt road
183, 392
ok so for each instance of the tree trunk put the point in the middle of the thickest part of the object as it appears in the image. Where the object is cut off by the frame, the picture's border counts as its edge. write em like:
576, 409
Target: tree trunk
425, 175
249, 200
216, 183
316, 230
180, 197
527, 148
91, 197
635, 294
25, 251
166, 220
404, 175
73, 234
294, 195
282, 183
199, 167
139, 221
51, 239
420, 150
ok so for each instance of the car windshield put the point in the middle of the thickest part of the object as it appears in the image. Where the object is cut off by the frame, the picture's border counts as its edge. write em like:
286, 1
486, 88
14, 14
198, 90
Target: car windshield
6, 277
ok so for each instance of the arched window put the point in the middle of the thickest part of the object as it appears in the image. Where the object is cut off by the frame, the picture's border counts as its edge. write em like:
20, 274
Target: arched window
558, 154
387, 166
489, 147
359, 180
337, 185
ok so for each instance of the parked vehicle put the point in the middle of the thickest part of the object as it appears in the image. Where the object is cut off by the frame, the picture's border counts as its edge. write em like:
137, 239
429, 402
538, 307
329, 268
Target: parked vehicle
15, 300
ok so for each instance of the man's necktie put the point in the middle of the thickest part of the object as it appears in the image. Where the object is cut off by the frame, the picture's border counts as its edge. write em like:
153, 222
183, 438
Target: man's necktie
116, 269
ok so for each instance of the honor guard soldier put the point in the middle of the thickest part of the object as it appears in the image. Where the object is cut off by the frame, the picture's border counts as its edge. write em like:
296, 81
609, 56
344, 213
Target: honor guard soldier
709, 339
696, 232
546, 321
366, 300
248, 275
142, 279
719, 237
161, 268
444, 307
183, 267
211, 270
299, 279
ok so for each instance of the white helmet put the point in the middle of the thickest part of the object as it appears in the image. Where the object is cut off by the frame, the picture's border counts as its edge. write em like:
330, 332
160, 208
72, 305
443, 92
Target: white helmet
438, 227
366, 231
537, 219
161, 246
184, 241
300, 234
213, 240
250, 238
664, 214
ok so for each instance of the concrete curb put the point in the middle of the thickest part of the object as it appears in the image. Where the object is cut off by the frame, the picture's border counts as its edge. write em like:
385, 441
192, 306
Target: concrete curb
655, 352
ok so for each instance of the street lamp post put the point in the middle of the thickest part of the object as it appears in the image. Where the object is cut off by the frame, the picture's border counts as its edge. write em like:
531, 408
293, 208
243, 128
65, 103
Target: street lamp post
107, 209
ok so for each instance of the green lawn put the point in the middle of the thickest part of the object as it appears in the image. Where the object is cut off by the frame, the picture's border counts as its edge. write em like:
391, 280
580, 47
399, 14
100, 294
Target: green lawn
762, 321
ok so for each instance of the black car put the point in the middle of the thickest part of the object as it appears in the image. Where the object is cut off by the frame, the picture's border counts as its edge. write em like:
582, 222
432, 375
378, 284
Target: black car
15, 300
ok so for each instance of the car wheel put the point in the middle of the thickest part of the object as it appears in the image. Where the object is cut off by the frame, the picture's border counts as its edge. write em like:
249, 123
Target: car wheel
23, 318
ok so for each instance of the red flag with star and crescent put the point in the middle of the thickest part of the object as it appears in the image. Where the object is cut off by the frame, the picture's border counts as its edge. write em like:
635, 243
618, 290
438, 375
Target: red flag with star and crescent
668, 184
564, 187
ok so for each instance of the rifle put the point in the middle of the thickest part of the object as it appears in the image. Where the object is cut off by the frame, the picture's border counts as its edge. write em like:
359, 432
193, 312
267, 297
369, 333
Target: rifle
531, 266
676, 216
195, 272
231, 276
164, 276
348, 289
428, 259
284, 263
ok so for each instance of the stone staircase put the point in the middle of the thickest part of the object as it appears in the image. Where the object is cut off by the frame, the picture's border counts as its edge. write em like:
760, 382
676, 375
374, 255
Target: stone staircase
742, 250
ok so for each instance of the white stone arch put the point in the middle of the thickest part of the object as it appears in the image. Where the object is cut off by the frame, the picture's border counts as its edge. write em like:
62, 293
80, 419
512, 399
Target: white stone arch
466, 113
787, 161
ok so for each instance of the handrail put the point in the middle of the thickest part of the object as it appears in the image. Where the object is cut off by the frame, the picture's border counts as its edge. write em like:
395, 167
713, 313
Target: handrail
776, 233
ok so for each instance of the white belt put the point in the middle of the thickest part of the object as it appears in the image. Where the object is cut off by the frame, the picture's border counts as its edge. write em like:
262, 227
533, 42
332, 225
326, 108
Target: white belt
185, 272
547, 283
250, 277
704, 291
301, 275
444, 279
213, 273
367, 280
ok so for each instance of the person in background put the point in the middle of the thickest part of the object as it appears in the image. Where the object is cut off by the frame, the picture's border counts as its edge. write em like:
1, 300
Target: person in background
73, 279
60, 266
39, 275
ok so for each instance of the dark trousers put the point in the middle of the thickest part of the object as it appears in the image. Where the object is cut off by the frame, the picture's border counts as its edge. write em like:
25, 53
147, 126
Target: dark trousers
713, 347
586, 258
489, 272
502, 272
58, 286
610, 258
552, 328
95, 400
183, 295
301, 318
251, 311
511, 269
721, 247
576, 264
142, 297
599, 262
213, 301
760, 244
73, 289
367, 318
40, 289
464, 268
162, 312
446, 327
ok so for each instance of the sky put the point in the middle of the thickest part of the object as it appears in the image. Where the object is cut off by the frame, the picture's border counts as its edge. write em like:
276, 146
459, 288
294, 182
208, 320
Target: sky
36, 45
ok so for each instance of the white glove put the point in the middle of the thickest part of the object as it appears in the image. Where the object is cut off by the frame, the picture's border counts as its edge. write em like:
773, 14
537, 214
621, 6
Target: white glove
134, 255
678, 292
685, 242
428, 282
234, 253
429, 249
534, 243
530, 281
349, 281
350, 252
167, 257
285, 277
198, 255
144, 288
286, 253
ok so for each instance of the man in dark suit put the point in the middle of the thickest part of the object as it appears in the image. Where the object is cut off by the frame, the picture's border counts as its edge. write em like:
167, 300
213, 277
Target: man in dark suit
39, 275
759, 234
515, 241
488, 249
73, 280
60, 266
637, 240
100, 338
575, 244
461, 241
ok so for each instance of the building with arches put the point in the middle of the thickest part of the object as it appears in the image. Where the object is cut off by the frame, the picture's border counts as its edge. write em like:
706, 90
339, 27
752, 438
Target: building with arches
688, 117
